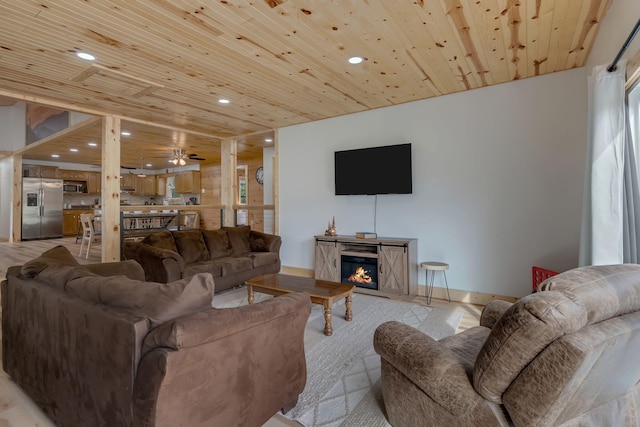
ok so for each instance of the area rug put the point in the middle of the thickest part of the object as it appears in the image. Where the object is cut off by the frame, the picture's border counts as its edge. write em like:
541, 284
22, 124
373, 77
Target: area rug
343, 370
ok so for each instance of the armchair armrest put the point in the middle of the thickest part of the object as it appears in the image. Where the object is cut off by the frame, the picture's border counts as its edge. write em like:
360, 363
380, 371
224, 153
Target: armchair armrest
160, 265
492, 312
260, 241
428, 363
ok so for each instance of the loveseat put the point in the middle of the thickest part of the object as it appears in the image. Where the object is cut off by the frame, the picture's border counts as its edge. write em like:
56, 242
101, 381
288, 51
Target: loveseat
567, 355
110, 351
231, 255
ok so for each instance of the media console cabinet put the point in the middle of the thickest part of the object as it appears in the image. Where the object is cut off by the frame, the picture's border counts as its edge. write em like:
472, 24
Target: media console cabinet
380, 266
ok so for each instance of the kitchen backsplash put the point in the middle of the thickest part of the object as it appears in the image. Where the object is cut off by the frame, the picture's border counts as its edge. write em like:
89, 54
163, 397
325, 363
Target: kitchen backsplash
125, 199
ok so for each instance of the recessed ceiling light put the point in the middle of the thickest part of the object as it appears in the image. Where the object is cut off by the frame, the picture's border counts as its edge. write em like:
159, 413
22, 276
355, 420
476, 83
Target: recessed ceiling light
125, 133
356, 59
223, 101
87, 56
92, 144
75, 150
268, 140
149, 165
55, 155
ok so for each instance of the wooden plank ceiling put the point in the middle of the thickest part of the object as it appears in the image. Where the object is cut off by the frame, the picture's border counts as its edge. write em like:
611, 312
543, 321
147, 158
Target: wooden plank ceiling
279, 62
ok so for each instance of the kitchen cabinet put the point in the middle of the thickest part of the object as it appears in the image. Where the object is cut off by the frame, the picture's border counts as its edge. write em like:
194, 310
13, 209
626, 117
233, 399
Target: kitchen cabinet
72, 175
146, 185
36, 171
128, 182
71, 220
161, 185
94, 182
187, 182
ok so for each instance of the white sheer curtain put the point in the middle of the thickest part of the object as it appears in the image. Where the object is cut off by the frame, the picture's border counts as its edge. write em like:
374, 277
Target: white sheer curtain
603, 218
631, 183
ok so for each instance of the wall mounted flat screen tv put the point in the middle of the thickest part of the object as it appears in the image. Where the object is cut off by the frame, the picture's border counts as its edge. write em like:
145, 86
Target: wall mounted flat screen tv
375, 170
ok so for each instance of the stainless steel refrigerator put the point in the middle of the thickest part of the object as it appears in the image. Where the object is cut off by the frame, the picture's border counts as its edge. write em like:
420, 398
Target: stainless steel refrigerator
41, 208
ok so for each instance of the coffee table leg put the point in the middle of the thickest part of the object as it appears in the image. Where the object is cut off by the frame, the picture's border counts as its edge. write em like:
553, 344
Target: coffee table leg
250, 294
348, 315
328, 330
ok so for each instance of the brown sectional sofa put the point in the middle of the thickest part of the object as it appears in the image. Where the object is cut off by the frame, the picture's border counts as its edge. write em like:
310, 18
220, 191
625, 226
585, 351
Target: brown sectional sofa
567, 355
95, 350
231, 255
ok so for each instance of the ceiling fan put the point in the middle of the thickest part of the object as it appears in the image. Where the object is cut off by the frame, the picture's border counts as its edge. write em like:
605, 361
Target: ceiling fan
180, 157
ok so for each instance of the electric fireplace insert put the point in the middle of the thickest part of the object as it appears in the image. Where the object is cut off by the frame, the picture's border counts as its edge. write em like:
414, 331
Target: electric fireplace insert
361, 271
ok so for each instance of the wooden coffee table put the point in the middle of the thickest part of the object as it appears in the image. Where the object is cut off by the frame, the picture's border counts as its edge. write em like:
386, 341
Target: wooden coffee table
321, 291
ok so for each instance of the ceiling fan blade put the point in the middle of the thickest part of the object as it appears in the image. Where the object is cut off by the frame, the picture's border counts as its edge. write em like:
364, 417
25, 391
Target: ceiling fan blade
197, 158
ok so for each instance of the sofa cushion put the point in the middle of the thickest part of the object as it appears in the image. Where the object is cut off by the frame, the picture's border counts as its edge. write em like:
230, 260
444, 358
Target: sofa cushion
264, 258
58, 275
202, 267
162, 239
56, 255
230, 265
191, 245
158, 302
218, 243
239, 238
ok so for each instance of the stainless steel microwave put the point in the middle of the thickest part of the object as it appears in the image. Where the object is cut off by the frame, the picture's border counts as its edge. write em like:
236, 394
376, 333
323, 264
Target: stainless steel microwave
73, 187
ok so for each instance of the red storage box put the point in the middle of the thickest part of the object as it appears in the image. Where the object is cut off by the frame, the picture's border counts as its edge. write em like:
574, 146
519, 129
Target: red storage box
539, 275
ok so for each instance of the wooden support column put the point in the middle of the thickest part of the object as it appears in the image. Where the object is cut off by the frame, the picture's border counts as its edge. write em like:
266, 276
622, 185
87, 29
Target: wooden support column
228, 181
111, 189
276, 183
15, 221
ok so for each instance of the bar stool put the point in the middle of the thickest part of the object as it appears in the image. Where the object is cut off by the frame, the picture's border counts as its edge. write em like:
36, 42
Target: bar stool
433, 266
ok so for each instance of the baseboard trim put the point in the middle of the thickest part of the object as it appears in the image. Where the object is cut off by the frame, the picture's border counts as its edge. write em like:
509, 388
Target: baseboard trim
296, 271
469, 297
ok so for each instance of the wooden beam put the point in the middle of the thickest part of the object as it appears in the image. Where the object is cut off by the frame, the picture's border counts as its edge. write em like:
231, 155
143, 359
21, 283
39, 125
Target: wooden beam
15, 220
111, 189
228, 181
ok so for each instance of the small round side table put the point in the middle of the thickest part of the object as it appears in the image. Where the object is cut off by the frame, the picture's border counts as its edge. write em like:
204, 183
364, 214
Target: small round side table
433, 266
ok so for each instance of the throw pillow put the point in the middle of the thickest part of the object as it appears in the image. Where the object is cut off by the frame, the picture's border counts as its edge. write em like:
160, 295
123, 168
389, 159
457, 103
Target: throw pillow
159, 302
239, 238
162, 239
218, 243
57, 255
259, 244
191, 246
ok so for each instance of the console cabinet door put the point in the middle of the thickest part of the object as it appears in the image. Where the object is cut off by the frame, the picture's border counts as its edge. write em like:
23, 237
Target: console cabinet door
327, 261
393, 274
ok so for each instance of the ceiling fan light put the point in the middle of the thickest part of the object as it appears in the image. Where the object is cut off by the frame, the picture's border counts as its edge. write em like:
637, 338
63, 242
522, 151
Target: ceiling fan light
174, 161
182, 162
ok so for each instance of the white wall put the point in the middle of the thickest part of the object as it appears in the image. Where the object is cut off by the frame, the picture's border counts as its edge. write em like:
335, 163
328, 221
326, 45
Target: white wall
498, 180
13, 131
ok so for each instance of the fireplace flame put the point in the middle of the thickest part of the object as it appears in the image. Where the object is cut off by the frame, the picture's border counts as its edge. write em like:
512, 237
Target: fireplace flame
360, 276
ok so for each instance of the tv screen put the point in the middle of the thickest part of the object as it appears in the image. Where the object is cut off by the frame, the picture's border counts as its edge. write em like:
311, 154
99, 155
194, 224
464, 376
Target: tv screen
376, 170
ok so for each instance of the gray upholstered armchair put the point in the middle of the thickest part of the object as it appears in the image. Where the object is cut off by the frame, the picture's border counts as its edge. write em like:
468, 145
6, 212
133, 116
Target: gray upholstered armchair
567, 355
